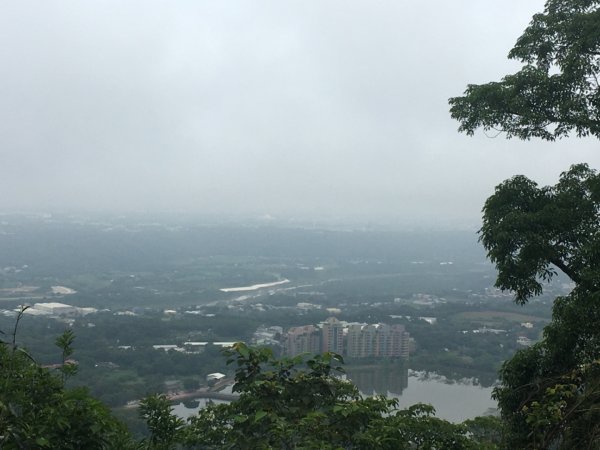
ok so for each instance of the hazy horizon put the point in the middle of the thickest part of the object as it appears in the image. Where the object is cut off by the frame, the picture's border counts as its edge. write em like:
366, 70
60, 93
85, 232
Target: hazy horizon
268, 110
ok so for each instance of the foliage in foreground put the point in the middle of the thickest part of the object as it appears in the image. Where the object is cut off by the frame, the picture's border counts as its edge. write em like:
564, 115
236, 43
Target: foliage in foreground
550, 393
283, 404
298, 403
36, 411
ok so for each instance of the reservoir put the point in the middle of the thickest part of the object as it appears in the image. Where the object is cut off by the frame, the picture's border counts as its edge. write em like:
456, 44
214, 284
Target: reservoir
454, 401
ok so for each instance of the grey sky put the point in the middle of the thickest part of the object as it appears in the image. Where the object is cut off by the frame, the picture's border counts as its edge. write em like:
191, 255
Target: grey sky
289, 108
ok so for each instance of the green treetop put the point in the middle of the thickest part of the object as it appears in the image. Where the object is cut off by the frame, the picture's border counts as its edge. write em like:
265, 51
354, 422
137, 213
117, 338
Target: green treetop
557, 89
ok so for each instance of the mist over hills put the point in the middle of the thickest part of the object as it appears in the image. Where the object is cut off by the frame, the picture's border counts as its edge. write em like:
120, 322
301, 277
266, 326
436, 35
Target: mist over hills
66, 246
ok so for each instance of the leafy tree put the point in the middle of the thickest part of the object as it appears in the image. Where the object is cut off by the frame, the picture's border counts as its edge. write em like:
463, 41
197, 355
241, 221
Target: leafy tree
549, 396
298, 403
556, 91
165, 428
283, 403
530, 232
487, 431
36, 411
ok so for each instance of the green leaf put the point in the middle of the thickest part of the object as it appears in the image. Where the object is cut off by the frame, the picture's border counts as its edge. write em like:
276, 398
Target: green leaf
42, 442
259, 415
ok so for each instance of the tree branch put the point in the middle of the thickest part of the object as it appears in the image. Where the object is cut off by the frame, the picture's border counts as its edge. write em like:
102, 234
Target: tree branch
566, 270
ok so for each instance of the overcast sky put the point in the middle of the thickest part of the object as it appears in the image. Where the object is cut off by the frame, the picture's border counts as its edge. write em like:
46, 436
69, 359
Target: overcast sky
289, 108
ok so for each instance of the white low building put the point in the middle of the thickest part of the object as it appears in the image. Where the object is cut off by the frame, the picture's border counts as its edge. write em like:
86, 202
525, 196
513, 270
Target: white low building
215, 376
54, 309
168, 347
57, 309
524, 341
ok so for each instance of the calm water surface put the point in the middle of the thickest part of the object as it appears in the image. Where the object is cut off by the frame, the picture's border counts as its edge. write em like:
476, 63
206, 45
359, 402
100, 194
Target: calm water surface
453, 401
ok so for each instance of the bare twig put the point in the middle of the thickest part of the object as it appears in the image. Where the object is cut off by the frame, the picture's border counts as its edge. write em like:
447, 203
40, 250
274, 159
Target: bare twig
14, 333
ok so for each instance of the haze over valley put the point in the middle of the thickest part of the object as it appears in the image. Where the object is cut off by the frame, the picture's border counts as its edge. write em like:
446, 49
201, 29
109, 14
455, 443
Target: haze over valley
142, 292
327, 224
